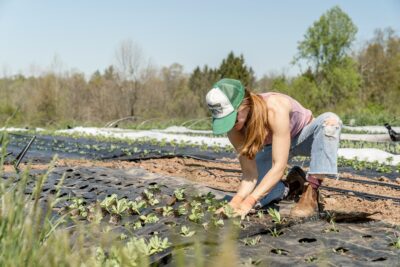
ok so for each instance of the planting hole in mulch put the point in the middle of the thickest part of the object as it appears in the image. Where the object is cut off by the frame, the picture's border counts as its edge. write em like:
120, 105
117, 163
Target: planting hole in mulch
307, 240
280, 251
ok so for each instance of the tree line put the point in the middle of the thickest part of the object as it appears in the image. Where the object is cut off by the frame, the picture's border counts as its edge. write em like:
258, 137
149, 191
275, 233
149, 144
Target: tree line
362, 84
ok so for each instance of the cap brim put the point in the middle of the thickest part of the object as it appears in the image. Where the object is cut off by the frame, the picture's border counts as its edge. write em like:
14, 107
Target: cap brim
225, 124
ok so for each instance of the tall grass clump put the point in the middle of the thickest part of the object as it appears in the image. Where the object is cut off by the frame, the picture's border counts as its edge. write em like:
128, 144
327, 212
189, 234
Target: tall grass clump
32, 233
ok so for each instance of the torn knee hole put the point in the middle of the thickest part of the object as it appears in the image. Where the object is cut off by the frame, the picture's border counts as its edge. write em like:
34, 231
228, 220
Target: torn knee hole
331, 127
331, 122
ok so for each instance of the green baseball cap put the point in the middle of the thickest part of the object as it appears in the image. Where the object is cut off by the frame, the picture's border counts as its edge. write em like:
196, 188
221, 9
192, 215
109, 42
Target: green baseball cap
223, 100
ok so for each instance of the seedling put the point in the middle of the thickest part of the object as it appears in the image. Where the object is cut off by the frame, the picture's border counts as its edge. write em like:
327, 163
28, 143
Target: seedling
310, 259
332, 227
185, 231
137, 206
250, 262
182, 210
279, 251
251, 241
167, 211
78, 208
396, 242
196, 215
260, 214
218, 222
108, 202
154, 188
228, 211
275, 233
95, 214
149, 196
156, 244
149, 218
120, 207
179, 194
195, 204
137, 225
276, 216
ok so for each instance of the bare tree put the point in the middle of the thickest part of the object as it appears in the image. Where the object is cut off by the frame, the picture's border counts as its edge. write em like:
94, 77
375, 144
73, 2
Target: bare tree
129, 58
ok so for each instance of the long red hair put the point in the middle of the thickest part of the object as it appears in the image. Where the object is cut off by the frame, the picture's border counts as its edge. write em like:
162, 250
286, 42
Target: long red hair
256, 125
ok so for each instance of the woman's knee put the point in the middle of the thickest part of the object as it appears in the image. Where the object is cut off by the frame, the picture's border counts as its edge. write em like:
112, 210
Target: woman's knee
331, 124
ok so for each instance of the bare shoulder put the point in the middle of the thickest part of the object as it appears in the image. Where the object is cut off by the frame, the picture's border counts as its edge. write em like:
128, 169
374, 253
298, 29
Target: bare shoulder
236, 138
278, 104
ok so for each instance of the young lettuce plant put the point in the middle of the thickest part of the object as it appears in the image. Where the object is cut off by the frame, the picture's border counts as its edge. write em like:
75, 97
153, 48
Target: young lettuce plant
157, 244
155, 188
196, 215
179, 194
137, 206
95, 213
167, 211
137, 225
182, 210
185, 231
149, 218
118, 209
108, 202
149, 196
217, 222
78, 208
228, 211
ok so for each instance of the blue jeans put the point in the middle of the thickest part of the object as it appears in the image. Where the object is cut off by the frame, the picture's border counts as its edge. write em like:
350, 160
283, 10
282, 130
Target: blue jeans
318, 140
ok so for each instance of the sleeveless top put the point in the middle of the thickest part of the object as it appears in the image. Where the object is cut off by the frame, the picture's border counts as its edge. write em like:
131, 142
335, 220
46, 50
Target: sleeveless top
299, 116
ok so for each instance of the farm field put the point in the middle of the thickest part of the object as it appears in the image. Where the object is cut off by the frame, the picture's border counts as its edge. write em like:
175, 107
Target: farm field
159, 197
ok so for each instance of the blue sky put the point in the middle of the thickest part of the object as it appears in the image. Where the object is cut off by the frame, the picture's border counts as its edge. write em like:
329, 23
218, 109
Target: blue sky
84, 35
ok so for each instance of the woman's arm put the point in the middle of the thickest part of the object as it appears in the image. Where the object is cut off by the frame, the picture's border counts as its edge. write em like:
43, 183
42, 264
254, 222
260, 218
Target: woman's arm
249, 167
279, 122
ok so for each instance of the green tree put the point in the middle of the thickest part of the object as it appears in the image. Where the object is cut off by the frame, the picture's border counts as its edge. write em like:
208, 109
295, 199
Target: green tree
200, 81
327, 42
235, 67
379, 65
326, 48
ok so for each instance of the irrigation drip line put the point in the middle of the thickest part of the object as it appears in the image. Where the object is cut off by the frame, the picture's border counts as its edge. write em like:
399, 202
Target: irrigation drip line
359, 194
397, 187
135, 159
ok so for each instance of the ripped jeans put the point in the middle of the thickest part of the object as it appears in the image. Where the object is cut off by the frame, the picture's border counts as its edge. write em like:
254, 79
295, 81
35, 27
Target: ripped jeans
319, 140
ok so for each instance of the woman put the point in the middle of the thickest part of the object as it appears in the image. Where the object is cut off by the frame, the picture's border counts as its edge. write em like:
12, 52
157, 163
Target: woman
266, 130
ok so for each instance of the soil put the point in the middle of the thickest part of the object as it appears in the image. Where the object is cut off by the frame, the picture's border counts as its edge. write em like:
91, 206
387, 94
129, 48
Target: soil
225, 175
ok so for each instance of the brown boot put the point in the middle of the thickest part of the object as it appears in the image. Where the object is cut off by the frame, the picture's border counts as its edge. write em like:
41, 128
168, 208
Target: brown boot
307, 205
295, 180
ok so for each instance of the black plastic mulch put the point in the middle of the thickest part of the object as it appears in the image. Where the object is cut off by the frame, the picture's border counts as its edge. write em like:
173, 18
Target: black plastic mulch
305, 243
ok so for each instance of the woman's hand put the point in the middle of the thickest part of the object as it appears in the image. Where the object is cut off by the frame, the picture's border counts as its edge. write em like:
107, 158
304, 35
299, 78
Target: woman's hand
234, 204
246, 206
